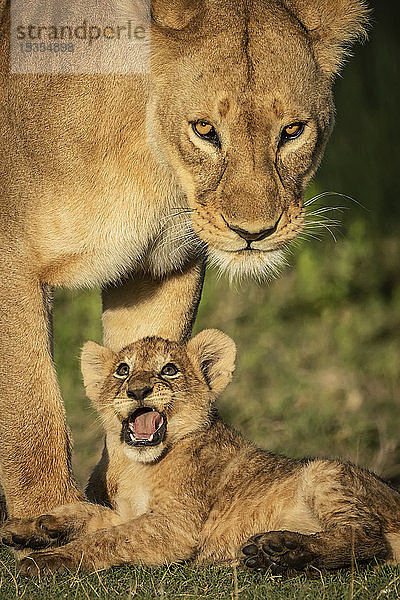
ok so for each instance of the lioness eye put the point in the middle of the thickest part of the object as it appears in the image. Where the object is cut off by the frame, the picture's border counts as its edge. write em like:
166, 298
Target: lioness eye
292, 131
169, 370
207, 132
122, 370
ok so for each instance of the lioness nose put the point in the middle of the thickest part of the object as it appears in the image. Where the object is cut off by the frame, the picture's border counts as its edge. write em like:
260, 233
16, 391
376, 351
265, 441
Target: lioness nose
139, 394
256, 236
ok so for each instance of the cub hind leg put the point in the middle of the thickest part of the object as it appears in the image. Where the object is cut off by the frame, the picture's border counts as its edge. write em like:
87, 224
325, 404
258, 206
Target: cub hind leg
290, 552
350, 505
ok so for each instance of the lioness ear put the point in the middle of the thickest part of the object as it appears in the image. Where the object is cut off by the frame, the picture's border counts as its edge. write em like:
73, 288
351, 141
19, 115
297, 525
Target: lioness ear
175, 14
96, 362
333, 26
216, 353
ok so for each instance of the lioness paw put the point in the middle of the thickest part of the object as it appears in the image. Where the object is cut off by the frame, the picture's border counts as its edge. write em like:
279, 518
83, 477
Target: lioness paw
280, 552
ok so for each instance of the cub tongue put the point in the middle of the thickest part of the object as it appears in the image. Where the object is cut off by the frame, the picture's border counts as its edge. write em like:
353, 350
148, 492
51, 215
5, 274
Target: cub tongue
147, 424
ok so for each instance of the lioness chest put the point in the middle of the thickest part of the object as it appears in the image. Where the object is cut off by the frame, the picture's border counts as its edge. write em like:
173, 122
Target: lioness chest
106, 239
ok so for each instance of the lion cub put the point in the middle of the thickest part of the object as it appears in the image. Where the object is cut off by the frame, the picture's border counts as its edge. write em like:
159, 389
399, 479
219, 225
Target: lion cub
176, 483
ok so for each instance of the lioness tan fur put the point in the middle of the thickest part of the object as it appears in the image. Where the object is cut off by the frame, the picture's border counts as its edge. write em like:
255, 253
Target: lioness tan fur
180, 484
104, 181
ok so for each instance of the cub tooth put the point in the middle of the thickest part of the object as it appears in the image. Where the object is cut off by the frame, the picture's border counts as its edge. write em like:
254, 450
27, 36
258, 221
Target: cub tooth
131, 436
151, 437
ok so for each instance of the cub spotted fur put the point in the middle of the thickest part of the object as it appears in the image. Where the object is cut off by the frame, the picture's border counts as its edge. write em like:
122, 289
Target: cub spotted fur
180, 484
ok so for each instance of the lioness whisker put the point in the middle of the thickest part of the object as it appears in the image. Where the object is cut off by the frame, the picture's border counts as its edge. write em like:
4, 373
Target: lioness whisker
326, 209
327, 227
176, 235
184, 208
170, 217
169, 240
164, 232
185, 242
163, 220
324, 194
306, 235
187, 239
322, 223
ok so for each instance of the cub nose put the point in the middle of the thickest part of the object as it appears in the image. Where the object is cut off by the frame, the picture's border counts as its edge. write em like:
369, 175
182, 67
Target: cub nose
139, 394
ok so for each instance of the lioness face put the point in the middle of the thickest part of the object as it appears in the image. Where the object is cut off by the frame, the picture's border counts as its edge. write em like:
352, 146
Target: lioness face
248, 114
154, 392
241, 109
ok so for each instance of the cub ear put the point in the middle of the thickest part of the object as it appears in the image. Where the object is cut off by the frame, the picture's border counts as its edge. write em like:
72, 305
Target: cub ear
175, 14
216, 353
96, 362
333, 25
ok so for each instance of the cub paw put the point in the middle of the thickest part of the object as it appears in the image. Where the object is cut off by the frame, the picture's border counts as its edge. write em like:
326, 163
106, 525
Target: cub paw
41, 532
281, 552
41, 564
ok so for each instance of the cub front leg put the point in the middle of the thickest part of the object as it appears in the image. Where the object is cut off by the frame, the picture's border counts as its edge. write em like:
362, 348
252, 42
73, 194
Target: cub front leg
151, 539
64, 524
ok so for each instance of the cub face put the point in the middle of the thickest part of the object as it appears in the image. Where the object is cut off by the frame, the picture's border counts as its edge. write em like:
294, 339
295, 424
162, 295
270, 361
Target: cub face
154, 392
241, 109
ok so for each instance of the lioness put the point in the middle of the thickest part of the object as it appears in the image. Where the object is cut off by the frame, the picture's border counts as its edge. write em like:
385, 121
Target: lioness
180, 484
131, 180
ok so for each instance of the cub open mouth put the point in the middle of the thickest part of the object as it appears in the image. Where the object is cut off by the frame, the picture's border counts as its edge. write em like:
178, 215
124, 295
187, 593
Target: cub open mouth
144, 427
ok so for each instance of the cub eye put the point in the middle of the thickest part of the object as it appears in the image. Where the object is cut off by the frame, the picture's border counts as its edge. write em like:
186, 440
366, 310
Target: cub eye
207, 132
170, 370
122, 371
292, 131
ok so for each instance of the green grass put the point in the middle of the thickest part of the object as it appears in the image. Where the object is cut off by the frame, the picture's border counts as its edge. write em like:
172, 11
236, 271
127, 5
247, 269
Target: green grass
181, 582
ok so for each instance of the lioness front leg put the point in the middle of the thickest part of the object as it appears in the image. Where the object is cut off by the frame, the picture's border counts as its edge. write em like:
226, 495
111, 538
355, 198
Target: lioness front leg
34, 441
152, 539
61, 526
146, 306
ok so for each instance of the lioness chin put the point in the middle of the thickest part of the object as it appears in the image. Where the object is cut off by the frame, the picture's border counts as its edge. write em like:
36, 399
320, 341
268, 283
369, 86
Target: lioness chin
180, 484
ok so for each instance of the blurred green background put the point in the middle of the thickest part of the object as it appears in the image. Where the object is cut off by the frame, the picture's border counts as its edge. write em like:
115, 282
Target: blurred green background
318, 349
